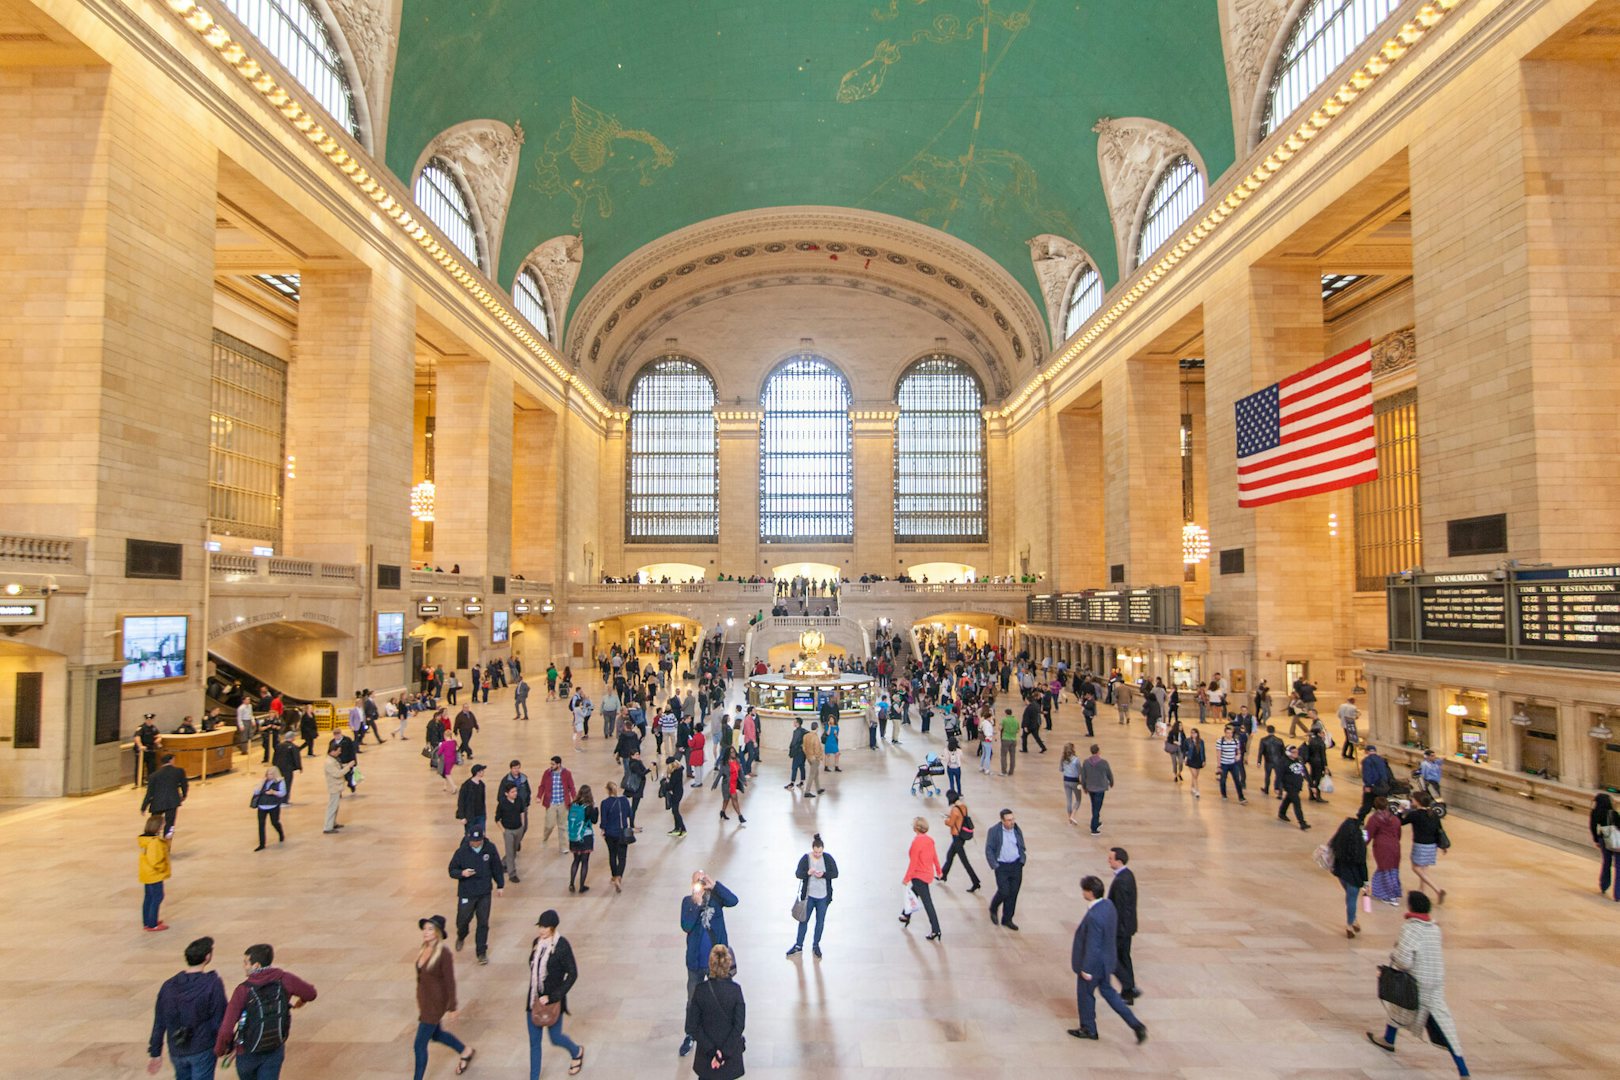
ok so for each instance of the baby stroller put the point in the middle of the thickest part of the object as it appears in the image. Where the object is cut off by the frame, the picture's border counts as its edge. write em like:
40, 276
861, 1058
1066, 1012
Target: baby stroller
923, 783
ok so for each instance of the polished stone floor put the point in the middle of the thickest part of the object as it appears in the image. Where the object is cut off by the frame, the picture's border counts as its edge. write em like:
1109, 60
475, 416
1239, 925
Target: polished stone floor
1241, 953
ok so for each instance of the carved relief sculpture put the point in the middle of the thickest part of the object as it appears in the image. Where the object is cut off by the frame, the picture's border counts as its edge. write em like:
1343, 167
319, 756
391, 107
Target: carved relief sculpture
486, 151
557, 261
370, 29
1131, 154
1250, 32
1056, 259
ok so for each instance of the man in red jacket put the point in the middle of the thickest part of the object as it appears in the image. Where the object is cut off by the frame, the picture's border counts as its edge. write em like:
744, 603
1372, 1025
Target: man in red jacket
556, 793
261, 1008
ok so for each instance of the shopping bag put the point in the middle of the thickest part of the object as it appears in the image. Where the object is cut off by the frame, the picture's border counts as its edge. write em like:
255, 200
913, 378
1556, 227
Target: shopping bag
909, 903
1327, 785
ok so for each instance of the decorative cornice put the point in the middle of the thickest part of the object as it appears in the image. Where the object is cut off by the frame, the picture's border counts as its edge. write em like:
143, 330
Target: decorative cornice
1285, 145
958, 319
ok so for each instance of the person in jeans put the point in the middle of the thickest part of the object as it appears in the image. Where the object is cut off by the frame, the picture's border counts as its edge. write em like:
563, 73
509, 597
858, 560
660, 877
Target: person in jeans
267, 800
1349, 848
552, 973
1291, 780
816, 871
190, 1006
960, 823
1229, 754
922, 866
513, 818
1096, 777
153, 870
1006, 852
261, 978
1069, 767
1009, 743
436, 996
616, 834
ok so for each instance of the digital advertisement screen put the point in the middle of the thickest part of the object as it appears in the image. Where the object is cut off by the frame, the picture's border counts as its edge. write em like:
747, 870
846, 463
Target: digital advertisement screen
497, 626
804, 699
154, 647
390, 633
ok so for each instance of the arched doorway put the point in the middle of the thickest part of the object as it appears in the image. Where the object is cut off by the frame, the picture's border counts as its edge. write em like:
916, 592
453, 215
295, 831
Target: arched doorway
669, 573
946, 573
304, 660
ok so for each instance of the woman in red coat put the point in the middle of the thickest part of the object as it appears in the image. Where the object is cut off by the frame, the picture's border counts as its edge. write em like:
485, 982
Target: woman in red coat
922, 867
1384, 838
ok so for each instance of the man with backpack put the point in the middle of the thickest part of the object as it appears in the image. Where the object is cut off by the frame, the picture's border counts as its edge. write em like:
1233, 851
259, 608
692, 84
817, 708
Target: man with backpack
258, 1018
190, 1006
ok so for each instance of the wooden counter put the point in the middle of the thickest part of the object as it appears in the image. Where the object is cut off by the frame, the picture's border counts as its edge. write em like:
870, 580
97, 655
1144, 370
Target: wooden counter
206, 753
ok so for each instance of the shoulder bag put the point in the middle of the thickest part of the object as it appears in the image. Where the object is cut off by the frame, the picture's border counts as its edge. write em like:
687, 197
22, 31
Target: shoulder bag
801, 908
1397, 987
1610, 834
548, 1014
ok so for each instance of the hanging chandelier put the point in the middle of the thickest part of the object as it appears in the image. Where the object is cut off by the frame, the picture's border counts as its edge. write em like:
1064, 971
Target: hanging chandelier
1194, 544
422, 499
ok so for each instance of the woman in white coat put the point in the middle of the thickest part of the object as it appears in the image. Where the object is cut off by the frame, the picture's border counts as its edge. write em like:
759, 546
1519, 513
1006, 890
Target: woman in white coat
1418, 950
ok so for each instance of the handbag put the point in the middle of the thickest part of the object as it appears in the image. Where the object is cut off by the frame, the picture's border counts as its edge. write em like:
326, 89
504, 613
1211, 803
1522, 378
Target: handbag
426, 752
1397, 987
1323, 857
545, 1015
801, 910
1610, 834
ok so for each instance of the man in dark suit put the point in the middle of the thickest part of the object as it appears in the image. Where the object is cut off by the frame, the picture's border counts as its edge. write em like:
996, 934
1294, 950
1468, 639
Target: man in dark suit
166, 789
1122, 894
1093, 959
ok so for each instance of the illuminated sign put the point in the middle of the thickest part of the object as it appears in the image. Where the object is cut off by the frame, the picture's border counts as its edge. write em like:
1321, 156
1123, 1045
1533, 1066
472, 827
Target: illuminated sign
22, 612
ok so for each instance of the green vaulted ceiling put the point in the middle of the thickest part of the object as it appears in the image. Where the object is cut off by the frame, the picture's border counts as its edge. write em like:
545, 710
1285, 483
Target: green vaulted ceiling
644, 116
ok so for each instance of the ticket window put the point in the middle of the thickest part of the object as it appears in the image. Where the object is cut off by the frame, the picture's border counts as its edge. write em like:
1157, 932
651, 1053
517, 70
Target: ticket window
1417, 734
1608, 752
1470, 716
1538, 741
1412, 709
1184, 672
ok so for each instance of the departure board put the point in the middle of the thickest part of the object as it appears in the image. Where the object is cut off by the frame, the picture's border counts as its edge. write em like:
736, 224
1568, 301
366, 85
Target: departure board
1576, 607
1567, 615
1155, 610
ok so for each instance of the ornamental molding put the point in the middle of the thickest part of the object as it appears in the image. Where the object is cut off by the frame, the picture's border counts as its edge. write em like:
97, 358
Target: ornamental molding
485, 153
899, 242
369, 32
557, 261
959, 320
1251, 31
1057, 260
1394, 351
1131, 154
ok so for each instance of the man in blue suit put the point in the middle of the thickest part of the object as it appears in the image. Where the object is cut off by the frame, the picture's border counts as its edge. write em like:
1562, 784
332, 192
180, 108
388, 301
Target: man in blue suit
1094, 959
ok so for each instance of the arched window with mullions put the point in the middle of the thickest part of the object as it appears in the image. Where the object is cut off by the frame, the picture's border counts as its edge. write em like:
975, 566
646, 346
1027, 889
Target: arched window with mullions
939, 466
1085, 300
530, 299
672, 468
298, 37
1324, 36
806, 458
1178, 192
441, 197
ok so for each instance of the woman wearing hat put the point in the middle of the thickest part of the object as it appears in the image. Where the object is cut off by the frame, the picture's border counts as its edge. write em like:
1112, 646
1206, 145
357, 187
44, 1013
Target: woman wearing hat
436, 996
552, 973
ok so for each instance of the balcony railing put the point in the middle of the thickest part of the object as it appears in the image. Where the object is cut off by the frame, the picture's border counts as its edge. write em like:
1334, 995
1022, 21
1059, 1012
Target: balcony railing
42, 554
226, 567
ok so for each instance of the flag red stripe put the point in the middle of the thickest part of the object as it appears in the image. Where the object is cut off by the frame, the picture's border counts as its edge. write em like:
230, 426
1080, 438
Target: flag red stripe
1371, 453
1305, 451
1328, 425
1299, 493
1361, 371
1298, 376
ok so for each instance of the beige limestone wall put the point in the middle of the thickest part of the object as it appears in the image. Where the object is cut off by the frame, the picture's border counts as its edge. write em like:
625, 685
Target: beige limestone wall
1141, 423
1079, 511
583, 508
473, 467
535, 491
1027, 514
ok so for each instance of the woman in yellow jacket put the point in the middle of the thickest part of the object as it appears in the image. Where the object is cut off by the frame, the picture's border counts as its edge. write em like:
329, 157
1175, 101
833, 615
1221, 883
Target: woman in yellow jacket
154, 871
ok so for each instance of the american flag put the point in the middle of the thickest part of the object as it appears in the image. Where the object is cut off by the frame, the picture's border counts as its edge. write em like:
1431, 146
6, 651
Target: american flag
1310, 433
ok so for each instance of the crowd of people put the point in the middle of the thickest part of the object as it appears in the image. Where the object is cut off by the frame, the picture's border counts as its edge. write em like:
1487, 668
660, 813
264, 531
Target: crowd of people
972, 691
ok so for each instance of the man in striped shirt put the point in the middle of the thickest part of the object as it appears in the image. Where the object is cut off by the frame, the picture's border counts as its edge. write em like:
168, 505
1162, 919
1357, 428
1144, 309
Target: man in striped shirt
1230, 753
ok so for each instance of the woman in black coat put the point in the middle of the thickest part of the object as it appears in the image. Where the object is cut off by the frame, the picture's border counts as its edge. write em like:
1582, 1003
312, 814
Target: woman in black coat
552, 973
1349, 850
715, 1018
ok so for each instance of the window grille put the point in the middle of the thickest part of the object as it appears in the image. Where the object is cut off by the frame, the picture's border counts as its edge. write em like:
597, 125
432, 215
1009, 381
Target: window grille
531, 301
246, 445
299, 39
806, 458
673, 462
939, 460
1085, 300
1179, 192
441, 198
1325, 35
1389, 519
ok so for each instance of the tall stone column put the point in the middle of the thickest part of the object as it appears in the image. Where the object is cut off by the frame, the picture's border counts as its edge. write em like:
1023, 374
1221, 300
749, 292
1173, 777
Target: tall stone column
350, 394
1078, 559
107, 307
535, 504
1141, 424
473, 467
739, 492
1262, 325
874, 549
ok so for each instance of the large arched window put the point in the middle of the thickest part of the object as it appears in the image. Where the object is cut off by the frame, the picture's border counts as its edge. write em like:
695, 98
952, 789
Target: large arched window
672, 469
1179, 191
530, 299
298, 38
440, 195
1323, 37
939, 469
1085, 300
806, 466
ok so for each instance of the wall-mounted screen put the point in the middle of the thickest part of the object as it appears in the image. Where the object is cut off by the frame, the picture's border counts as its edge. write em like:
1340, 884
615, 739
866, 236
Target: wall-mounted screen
154, 647
497, 626
390, 633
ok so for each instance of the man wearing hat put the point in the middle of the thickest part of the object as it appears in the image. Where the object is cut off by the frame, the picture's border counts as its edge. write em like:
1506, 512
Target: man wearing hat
147, 739
472, 802
477, 871
1291, 778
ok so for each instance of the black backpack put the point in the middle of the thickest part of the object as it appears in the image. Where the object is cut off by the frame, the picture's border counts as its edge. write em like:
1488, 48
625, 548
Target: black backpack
967, 824
265, 1019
